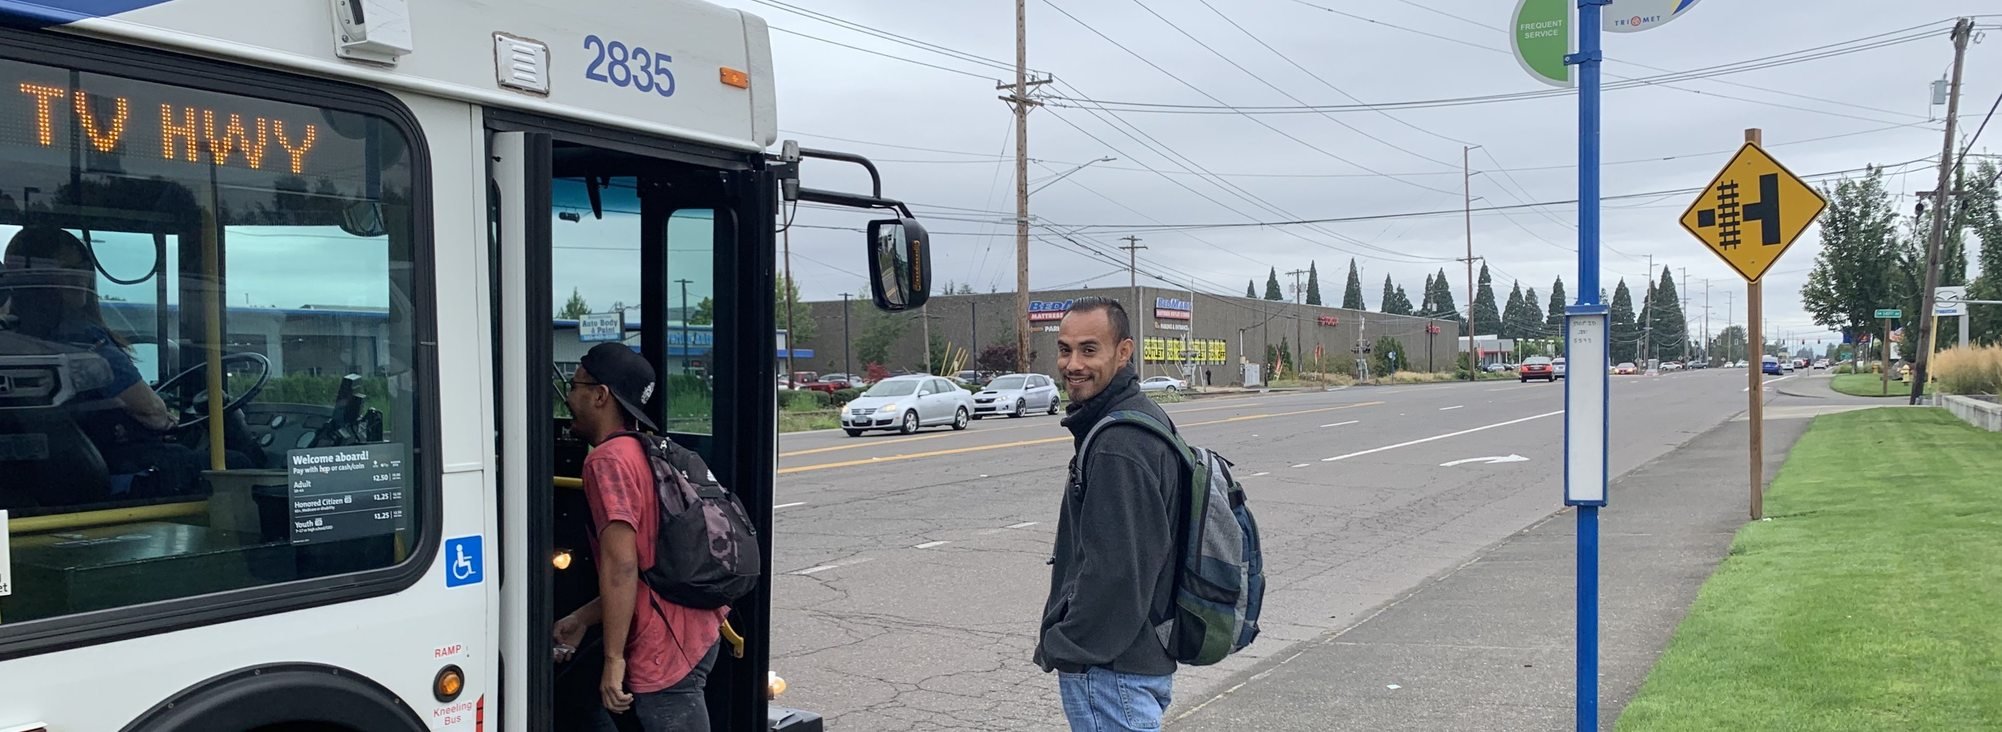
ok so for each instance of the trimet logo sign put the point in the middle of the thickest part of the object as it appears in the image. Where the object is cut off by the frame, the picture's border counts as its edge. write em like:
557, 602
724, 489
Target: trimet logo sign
1630, 16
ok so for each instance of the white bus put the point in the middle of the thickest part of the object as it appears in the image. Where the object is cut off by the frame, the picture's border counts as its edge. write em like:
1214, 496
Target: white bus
281, 442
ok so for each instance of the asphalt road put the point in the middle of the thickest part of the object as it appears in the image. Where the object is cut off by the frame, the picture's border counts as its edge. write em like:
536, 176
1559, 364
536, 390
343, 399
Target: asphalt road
911, 568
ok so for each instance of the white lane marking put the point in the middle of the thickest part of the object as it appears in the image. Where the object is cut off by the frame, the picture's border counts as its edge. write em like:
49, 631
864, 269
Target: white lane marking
836, 565
788, 505
1023, 525
1342, 424
930, 544
1423, 440
1260, 475
1302, 465
1451, 408
1505, 388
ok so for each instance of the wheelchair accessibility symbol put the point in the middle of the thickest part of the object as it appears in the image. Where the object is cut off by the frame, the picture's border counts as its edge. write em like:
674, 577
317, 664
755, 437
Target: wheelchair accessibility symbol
462, 561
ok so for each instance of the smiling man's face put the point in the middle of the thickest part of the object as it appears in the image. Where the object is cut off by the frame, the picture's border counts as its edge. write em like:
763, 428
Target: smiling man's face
1089, 353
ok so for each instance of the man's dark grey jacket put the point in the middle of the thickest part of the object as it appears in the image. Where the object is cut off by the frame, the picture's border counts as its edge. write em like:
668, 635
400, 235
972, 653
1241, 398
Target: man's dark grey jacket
1111, 570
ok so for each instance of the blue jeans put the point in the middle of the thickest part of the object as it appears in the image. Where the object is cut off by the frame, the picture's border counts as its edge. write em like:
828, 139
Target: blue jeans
1104, 700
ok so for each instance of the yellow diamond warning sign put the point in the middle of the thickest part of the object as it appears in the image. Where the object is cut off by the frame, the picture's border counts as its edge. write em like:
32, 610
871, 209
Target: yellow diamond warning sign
1752, 212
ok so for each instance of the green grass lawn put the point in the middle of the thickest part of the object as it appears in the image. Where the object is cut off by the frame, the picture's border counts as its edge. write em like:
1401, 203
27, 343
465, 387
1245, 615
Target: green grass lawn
1871, 385
1872, 599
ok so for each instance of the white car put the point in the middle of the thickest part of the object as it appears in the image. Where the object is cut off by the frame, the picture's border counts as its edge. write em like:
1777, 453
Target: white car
906, 403
1557, 366
1163, 383
1017, 395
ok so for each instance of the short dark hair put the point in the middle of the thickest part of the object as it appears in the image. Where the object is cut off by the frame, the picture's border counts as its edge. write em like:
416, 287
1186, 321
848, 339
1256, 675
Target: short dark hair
1115, 312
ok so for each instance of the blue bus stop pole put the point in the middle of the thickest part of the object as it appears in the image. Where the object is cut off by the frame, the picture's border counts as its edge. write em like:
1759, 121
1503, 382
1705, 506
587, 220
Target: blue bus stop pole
1588, 60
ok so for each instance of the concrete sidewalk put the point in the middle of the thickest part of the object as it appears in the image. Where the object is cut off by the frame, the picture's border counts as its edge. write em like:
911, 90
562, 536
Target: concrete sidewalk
1490, 645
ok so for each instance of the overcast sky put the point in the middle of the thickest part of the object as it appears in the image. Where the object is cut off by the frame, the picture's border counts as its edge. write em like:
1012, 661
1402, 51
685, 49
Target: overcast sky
945, 142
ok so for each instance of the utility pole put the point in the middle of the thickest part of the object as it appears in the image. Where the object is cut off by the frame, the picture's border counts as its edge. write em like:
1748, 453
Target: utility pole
1647, 319
1943, 199
1706, 321
847, 343
1133, 247
1682, 288
1018, 100
1730, 310
1299, 330
1467, 210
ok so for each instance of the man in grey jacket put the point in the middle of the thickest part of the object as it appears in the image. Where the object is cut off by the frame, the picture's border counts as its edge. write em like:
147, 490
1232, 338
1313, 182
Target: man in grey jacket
1111, 569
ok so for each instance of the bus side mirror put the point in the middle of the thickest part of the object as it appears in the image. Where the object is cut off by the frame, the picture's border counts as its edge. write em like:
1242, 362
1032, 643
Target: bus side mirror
899, 264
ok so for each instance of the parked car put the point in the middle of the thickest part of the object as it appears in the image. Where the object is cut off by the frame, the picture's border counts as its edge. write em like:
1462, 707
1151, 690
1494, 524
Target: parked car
1536, 367
1163, 383
1626, 368
1496, 368
908, 403
1557, 366
1016, 395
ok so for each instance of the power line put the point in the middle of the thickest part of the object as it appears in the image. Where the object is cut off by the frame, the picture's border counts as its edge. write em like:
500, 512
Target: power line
873, 52
1214, 98
1617, 76
888, 36
985, 158
1666, 79
1495, 29
1443, 212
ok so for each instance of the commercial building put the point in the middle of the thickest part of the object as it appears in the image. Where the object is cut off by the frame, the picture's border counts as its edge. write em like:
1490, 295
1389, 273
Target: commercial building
1183, 334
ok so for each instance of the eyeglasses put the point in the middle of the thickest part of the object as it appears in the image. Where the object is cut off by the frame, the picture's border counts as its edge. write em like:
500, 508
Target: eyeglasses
574, 383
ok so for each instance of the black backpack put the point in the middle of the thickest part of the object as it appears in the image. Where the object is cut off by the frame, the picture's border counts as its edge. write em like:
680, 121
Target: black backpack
706, 555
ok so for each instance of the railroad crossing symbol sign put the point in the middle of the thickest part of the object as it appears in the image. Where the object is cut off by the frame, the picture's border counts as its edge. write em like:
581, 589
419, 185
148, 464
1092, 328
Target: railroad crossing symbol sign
1752, 212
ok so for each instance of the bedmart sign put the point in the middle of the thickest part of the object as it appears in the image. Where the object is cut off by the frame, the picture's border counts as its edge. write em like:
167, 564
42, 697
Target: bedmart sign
1168, 308
1042, 310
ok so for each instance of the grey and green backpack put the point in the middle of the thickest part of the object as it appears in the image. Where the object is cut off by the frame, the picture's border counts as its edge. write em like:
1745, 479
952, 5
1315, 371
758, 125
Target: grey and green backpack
1220, 571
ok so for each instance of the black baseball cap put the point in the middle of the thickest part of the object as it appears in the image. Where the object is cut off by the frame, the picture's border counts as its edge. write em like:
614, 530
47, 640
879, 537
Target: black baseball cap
626, 374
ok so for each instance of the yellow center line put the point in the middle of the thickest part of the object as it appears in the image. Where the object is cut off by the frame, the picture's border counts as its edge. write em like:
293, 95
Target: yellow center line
1031, 443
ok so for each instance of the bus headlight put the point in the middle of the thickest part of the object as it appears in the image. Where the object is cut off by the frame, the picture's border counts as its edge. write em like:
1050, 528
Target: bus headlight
774, 685
562, 559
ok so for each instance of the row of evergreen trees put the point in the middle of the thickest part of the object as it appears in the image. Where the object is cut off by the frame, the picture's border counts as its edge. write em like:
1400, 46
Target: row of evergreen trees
1657, 320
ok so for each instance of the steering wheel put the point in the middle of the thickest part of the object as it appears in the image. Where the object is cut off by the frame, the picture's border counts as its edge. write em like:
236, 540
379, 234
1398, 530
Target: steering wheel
196, 411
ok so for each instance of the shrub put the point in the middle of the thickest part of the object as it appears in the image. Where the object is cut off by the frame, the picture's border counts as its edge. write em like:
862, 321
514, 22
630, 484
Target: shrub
1969, 370
805, 401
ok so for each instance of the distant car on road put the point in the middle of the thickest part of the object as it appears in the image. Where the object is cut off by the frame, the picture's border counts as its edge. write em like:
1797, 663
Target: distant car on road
1557, 366
1536, 367
1770, 365
1626, 368
1821, 363
1016, 395
1163, 383
1672, 366
907, 403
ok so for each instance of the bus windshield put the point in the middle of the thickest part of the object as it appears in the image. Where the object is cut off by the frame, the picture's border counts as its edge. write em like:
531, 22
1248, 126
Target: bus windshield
208, 341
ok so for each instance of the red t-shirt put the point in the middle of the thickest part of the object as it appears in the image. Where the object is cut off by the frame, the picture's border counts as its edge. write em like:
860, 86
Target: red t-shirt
618, 485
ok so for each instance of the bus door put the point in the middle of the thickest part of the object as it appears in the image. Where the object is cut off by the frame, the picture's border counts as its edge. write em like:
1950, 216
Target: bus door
668, 251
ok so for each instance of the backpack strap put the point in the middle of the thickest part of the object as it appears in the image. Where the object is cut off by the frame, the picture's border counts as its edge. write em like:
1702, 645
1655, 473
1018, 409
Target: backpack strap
1145, 421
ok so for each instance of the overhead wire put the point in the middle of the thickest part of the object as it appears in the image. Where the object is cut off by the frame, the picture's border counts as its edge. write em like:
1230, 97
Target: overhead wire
1199, 90
1666, 79
1139, 228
